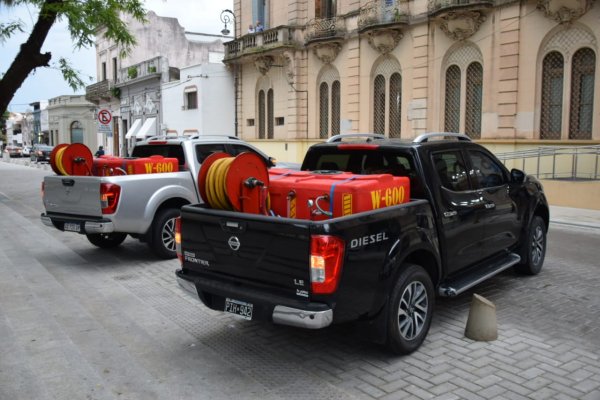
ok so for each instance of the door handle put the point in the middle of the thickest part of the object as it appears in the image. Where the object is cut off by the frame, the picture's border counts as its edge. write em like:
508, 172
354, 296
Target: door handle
489, 206
449, 214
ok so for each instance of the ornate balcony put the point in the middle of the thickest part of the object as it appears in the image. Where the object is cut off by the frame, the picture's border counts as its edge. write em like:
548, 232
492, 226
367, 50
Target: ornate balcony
270, 41
152, 68
325, 36
564, 11
325, 29
438, 7
382, 14
99, 91
382, 22
459, 19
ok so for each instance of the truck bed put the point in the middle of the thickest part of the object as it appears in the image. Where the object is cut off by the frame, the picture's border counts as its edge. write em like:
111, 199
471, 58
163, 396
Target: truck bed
245, 256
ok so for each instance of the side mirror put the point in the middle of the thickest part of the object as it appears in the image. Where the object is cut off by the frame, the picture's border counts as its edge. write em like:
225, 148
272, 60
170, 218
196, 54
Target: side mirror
272, 162
517, 176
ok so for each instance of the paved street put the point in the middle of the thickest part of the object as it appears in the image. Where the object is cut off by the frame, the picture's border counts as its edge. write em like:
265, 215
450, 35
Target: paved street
78, 322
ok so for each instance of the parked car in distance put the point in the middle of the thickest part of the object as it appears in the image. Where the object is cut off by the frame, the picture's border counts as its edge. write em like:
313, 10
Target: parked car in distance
40, 152
26, 152
13, 150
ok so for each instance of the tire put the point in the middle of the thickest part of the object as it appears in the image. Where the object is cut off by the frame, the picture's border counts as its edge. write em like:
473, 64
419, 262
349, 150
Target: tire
106, 240
410, 310
535, 248
162, 240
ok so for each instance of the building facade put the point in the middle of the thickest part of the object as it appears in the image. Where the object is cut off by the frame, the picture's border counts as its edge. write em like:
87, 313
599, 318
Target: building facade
140, 94
129, 86
41, 133
18, 130
71, 119
508, 73
201, 102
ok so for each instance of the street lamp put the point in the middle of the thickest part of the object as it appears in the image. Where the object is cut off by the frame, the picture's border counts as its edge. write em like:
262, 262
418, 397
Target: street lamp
226, 17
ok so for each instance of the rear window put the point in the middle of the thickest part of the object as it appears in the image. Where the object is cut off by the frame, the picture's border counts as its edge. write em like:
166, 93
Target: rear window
359, 161
365, 162
165, 150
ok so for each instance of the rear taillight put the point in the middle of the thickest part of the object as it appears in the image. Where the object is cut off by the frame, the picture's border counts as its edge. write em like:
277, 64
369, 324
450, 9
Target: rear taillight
178, 239
326, 257
43, 189
109, 197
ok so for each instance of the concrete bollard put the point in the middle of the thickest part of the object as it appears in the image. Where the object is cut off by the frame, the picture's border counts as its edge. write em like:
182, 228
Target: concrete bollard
481, 324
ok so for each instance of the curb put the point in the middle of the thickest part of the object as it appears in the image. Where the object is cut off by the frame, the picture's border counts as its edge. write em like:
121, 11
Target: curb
575, 224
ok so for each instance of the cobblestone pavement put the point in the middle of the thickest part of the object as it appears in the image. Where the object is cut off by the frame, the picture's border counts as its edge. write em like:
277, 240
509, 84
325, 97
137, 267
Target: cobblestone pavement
77, 322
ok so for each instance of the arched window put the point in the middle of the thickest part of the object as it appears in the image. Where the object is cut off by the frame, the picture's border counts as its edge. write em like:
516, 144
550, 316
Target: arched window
270, 114
582, 94
261, 114
452, 104
323, 110
76, 132
463, 97
474, 99
379, 105
567, 68
329, 102
335, 108
395, 104
387, 98
552, 95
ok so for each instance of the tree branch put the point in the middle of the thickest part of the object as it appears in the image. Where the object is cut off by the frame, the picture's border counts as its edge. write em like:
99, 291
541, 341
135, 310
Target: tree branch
29, 57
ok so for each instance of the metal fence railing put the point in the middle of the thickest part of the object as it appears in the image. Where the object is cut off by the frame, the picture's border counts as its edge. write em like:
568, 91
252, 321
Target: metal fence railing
574, 163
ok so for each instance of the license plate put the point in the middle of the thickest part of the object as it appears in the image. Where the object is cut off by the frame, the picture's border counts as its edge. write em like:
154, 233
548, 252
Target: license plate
240, 308
72, 227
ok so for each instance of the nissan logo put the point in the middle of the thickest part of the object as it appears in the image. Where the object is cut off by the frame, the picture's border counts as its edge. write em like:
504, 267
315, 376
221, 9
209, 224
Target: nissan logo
234, 243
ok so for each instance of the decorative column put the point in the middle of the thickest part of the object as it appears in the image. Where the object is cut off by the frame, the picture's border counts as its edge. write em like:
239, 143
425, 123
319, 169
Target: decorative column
417, 108
508, 68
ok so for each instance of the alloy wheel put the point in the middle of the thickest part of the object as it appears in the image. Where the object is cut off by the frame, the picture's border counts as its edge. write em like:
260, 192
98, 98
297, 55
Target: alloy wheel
168, 234
412, 310
537, 245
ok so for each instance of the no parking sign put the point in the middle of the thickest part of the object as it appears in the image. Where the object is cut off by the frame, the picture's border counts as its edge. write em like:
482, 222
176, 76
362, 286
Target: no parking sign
105, 122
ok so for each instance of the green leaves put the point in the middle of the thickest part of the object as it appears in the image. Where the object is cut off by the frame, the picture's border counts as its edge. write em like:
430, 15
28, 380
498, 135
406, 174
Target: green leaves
72, 76
86, 20
8, 29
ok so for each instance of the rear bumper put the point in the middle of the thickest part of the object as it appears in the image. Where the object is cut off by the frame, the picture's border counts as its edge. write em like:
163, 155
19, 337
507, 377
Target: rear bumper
279, 310
86, 227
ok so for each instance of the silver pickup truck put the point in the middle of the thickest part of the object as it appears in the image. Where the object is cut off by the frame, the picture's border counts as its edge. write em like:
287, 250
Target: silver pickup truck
108, 208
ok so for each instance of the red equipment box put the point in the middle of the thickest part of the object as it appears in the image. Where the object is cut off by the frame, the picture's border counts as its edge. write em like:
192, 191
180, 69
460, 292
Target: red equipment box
319, 196
108, 166
151, 165
111, 165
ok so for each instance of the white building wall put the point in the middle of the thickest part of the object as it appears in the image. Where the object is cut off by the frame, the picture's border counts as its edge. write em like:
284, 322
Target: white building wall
215, 112
63, 111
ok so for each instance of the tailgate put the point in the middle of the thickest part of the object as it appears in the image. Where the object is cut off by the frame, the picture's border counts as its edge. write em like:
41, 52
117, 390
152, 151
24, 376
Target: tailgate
268, 251
76, 195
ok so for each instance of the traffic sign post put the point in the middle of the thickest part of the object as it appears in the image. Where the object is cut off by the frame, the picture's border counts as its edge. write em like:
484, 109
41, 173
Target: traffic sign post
105, 122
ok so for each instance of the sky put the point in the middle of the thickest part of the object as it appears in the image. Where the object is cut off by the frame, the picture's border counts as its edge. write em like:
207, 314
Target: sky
45, 83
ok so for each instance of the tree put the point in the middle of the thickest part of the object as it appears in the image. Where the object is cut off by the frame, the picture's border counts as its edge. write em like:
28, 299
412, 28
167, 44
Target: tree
84, 18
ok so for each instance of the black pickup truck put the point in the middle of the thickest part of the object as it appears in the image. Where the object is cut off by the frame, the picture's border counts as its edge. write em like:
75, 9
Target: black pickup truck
468, 219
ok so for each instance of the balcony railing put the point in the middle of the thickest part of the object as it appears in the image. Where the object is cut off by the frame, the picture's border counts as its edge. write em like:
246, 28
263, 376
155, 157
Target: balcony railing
379, 12
436, 6
253, 43
147, 68
99, 90
324, 28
